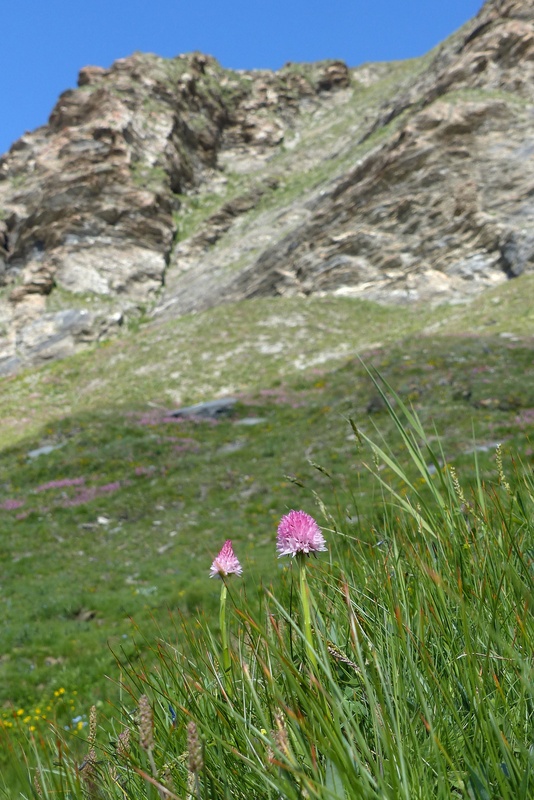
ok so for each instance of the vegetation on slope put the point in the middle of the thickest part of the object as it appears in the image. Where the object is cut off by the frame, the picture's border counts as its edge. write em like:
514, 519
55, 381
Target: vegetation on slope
398, 666
108, 533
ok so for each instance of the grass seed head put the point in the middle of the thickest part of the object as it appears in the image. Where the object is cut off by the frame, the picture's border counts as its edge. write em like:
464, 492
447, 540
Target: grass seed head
194, 749
123, 743
146, 724
92, 725
280, 734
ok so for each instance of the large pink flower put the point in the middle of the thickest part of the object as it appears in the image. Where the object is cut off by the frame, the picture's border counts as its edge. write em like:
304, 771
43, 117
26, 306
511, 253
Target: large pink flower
299, 533
226, 562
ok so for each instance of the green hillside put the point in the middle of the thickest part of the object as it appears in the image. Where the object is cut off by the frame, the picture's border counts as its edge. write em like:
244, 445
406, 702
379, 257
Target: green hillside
115, 527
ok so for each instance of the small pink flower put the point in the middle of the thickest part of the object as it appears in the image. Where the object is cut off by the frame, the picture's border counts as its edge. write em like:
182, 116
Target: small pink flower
11, 505
226, 562
299, 533
44, 487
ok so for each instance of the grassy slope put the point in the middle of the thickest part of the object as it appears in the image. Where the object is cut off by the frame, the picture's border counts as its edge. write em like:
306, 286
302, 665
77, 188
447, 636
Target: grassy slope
87, 564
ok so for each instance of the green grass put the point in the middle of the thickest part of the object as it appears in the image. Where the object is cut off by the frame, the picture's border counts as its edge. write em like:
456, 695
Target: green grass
471, 95
90, 571
414, 681
147, 176
62, 298
238, 347
194, 209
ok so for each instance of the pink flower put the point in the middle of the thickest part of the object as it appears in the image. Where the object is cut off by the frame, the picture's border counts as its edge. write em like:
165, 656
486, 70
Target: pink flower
299, 533
11, 505
44, 487
226, 562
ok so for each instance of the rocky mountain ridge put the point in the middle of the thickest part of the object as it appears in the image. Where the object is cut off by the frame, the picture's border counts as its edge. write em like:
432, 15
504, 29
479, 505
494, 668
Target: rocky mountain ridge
160, 186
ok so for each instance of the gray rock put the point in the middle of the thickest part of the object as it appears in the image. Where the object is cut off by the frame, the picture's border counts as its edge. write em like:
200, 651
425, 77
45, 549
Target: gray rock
517, 253
231, 447
45, 450
212, 409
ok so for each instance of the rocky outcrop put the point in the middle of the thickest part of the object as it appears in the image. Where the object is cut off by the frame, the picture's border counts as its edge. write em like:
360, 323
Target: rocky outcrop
442, 209
169, 186
89, 202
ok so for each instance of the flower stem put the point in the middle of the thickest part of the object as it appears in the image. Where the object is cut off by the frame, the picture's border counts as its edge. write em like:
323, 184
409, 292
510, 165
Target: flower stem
306, 615
226, 664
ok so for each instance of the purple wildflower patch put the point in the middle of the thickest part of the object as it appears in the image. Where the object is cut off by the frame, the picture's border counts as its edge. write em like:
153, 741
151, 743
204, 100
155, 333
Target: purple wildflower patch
141, 470
184, 445
151, 418
157, 417
11, 505
525, 418
60, 484
90, 493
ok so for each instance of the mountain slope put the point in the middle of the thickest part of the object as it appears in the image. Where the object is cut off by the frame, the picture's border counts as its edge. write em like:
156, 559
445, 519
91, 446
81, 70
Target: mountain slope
167, 186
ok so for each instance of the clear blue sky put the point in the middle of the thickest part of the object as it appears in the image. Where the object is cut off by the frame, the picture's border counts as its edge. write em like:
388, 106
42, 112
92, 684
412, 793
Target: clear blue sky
45, 42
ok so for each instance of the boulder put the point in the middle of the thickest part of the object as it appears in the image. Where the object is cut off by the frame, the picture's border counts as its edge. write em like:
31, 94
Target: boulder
211, 409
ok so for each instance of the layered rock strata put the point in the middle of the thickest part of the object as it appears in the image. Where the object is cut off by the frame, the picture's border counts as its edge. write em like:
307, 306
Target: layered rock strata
167, 186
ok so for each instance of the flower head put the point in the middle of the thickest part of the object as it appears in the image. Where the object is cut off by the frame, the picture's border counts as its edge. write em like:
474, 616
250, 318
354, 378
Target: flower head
299, 533
146, 723
226, 562
194, 749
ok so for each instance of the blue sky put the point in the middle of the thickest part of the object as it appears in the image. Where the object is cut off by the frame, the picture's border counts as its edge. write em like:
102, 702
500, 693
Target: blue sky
45, 42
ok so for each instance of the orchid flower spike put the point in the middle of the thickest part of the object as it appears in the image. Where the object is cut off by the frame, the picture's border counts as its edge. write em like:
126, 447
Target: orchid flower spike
298, 532
226, 563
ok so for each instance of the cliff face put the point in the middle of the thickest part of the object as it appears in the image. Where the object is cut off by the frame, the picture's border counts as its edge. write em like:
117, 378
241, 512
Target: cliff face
166, 186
